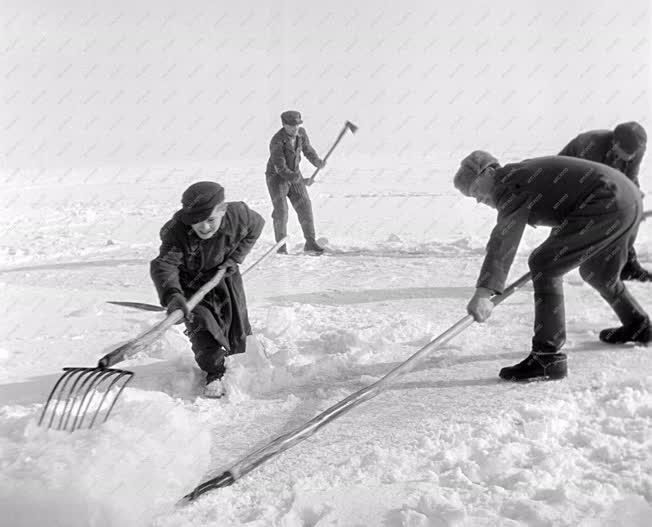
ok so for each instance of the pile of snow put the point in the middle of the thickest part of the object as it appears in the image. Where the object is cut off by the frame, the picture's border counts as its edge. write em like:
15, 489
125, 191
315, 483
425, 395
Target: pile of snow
581, 459
301, 345
121, 473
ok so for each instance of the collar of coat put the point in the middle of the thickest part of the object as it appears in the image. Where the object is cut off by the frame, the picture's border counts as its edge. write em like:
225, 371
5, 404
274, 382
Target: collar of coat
287, 140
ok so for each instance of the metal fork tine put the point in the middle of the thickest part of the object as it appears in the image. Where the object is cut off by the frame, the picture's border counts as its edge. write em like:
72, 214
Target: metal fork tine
62, 389
82, 372
76, 390
122, 374
96, 377
50, 397
116, 374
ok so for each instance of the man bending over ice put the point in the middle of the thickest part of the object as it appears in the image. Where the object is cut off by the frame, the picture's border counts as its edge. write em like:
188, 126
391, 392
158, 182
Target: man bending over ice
594, 212
622, 148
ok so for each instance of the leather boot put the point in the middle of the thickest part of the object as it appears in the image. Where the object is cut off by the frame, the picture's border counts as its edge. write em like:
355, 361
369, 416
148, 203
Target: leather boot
549, 314
634, 271
537, 367
636, 322
313, 247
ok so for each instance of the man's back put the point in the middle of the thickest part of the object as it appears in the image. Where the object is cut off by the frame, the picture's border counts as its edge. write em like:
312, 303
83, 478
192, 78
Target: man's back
593, 145
598, 146
552, 187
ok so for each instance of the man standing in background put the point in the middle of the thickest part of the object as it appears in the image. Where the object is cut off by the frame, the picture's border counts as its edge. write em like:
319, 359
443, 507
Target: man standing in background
284, 179
622, 149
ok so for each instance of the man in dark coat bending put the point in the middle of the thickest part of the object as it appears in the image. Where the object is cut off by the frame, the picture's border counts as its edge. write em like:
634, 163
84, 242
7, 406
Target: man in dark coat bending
206, 235
594, 212
622, 148
284, 179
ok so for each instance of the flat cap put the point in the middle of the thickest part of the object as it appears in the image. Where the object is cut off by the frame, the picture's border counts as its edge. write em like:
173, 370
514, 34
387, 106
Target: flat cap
291, 117
199, 200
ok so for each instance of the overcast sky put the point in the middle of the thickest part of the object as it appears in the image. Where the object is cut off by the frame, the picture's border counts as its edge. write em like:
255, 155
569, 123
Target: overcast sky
171, 82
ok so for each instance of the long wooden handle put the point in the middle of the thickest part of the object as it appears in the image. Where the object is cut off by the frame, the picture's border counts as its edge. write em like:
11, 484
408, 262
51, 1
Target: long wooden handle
152, 334
339, 138
157, 330
282, 443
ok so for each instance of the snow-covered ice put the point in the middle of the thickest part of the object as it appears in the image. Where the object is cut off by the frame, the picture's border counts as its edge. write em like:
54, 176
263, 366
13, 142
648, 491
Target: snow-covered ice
109, 110
447, 444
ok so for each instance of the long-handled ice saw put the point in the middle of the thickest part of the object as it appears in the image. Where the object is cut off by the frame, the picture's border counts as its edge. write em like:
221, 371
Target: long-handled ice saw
347, 126
78, 387
282, 443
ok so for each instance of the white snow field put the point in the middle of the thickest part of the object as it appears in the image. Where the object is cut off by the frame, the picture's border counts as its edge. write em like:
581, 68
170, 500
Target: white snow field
448, 444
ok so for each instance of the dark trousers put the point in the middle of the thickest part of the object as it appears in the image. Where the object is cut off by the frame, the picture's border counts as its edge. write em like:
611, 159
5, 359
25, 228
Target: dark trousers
209, 354
632, 258
279, 191
220, 325
596, 237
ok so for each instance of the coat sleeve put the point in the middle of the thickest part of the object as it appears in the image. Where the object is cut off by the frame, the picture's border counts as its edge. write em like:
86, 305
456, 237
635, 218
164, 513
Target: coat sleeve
164, 269
249, 230
633, 168
309, 151
280, 163
572, 149
504, 241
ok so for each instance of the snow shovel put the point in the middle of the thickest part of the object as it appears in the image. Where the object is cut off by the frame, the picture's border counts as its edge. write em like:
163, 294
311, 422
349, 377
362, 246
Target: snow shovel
78, 387
285, 441
347, 126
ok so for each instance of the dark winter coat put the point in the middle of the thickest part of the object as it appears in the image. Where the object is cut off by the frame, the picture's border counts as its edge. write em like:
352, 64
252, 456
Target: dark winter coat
595, 145
186, 262
543, 191
284, 158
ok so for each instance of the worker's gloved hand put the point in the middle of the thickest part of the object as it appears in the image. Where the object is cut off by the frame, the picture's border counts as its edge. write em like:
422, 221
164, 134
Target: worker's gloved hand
308, 181
229, 265
322, 163
178, 301
480, 306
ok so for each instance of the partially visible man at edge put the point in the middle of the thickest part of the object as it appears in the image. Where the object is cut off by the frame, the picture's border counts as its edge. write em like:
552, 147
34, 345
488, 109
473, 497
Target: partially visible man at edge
623, 149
